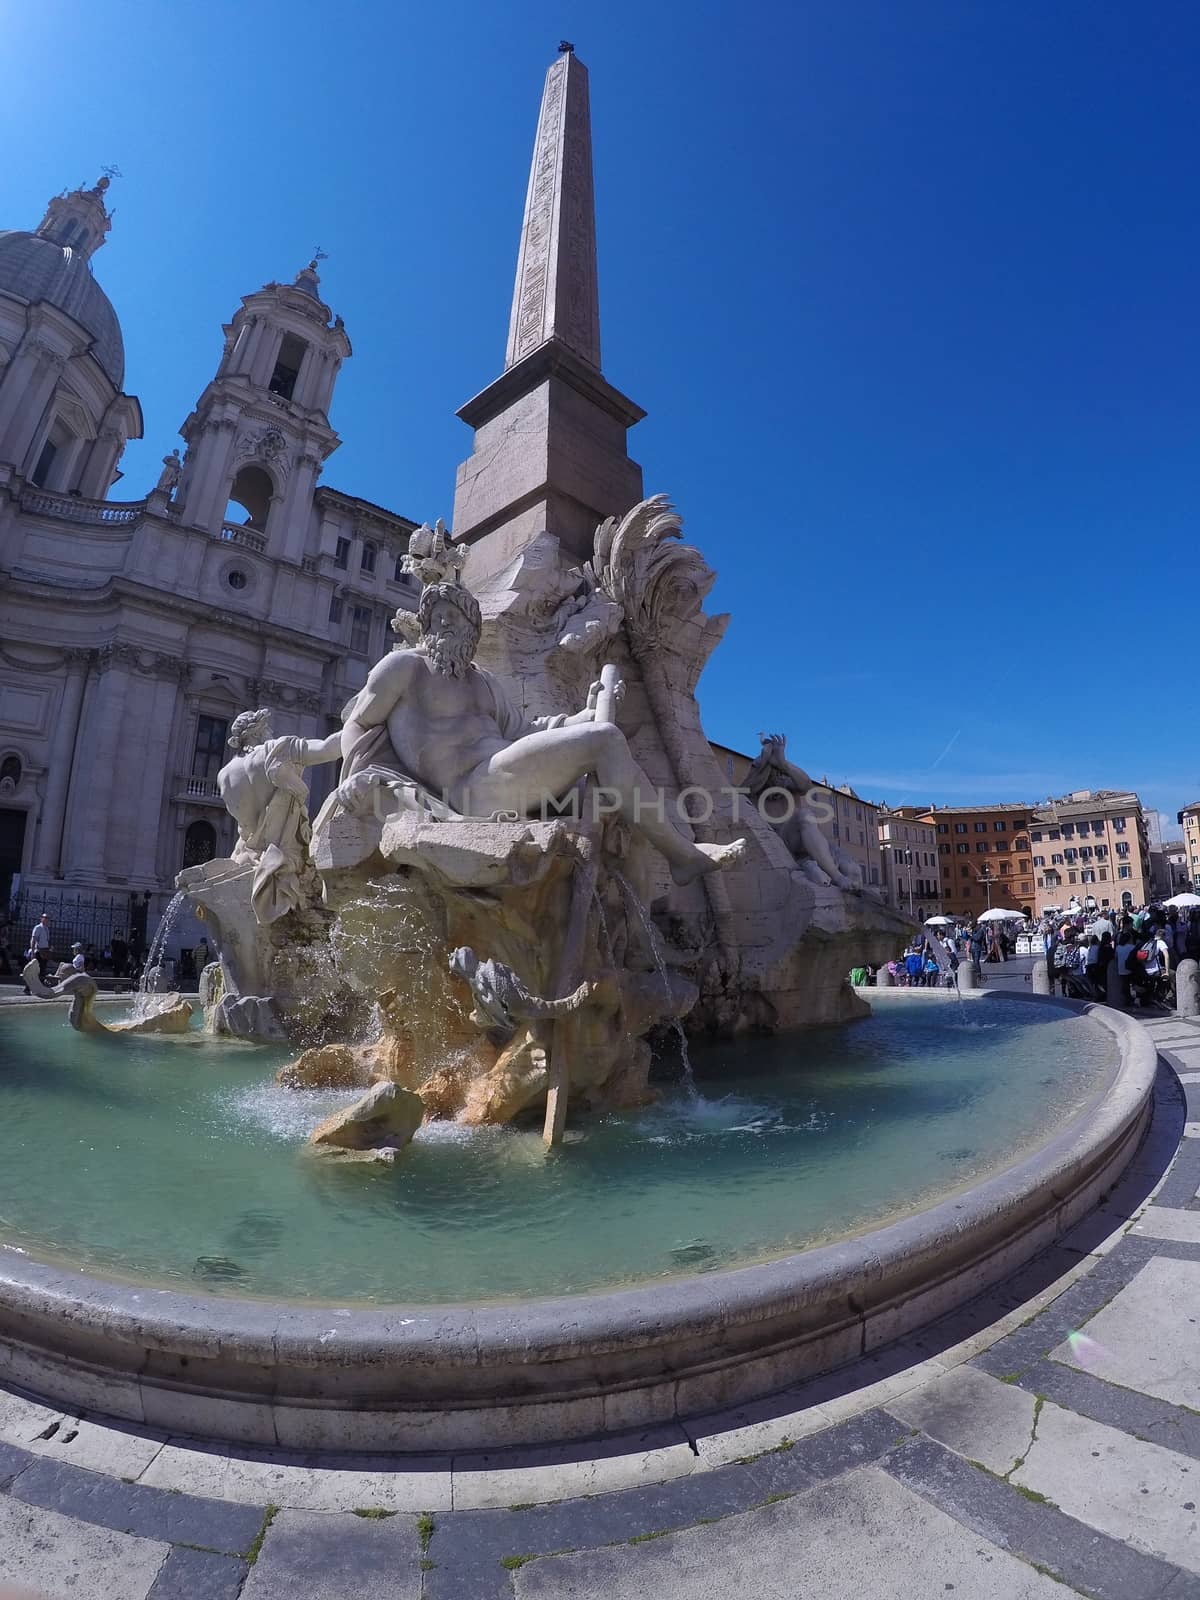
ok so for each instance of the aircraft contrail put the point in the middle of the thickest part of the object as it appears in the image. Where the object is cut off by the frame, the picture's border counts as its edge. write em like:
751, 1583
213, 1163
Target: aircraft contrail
946, 751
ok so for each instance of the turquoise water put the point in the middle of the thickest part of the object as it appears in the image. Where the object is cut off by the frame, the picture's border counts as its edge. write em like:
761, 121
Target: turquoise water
180, 1162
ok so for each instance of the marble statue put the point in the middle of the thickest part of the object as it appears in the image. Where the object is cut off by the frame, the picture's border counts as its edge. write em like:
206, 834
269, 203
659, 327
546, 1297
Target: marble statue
431, 557
80, 988
502, 1000
430, 717
168, 478
264, 791
799, 829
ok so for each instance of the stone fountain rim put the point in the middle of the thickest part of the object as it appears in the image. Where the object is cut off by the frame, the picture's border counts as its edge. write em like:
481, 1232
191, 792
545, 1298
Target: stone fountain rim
726, 1334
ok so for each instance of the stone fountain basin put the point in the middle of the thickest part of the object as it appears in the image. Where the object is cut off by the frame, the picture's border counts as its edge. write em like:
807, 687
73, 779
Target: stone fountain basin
423, 1378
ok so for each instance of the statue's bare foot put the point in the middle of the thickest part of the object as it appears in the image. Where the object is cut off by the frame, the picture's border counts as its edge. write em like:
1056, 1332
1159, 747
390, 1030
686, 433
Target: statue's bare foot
709, 858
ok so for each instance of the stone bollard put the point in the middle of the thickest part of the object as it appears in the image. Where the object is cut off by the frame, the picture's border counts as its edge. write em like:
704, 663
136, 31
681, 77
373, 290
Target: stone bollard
884, 979
1114, 985
1041, 977
1187, 988
966, 976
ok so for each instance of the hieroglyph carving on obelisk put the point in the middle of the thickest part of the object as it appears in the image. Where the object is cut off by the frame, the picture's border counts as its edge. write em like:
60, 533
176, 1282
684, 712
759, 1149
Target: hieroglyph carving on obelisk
556, 295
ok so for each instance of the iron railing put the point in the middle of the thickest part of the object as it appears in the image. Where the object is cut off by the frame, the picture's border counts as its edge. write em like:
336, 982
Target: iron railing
92, 919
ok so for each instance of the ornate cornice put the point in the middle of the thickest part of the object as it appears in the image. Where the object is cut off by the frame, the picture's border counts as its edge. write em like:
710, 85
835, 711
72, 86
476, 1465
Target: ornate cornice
120, 653
269, 691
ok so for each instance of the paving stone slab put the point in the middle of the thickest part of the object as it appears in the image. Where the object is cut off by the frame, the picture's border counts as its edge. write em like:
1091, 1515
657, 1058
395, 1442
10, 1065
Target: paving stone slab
259, 1478
721, 1437
535, 1475
1168, 1222
12, 1461
1086, 1560
974, 1414
55, 1556
198, 1575
316, 1555
1147, 1336
130, 1508
863, 1534
121, 1452
1184, 1177
1139, 1493
1134, 1413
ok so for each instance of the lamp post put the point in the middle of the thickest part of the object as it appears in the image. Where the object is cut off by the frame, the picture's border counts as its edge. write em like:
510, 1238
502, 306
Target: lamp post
986, 878
901, 856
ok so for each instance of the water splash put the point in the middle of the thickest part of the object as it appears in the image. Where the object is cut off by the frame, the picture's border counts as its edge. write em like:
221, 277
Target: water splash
654, 940
684, 1118
147, 1001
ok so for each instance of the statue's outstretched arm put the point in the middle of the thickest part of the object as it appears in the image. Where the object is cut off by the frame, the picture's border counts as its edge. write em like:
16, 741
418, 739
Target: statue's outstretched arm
314, 752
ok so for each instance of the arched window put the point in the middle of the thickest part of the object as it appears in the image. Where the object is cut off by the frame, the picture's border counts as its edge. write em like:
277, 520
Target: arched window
287, 367
199, 844
250, 498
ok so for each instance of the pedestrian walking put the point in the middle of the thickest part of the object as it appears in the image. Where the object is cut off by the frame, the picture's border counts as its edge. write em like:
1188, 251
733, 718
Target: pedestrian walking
39, 945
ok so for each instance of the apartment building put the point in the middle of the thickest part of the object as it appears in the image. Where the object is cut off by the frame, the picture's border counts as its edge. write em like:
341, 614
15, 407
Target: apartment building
1190, 819
984, 857
909, 863
1091, 843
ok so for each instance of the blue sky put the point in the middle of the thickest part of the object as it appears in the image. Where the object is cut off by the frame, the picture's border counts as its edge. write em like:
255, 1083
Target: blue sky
908, 292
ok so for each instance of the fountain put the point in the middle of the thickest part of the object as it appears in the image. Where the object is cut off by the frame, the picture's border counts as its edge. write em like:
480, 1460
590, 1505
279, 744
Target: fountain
412, 1182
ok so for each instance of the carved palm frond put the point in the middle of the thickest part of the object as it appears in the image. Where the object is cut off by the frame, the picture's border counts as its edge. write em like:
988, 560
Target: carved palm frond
653, 579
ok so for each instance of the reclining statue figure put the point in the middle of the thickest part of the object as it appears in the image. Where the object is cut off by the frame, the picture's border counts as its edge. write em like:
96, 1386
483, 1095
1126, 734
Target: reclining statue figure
799, 829
430, 718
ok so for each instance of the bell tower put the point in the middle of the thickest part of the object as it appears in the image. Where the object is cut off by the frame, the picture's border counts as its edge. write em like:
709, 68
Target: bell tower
260, 432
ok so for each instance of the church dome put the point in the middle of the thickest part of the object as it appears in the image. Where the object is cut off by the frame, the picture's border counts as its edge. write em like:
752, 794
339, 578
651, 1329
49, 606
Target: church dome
35, 268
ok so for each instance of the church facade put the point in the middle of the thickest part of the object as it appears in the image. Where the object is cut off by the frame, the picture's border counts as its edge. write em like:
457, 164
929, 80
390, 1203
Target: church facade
133, 631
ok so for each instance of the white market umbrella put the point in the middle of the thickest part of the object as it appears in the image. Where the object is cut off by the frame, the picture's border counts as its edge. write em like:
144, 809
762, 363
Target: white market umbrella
947, 922
999, 915
1183, 901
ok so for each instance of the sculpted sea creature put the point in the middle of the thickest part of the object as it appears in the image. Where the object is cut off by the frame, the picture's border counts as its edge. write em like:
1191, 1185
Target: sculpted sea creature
501, 999
80, 988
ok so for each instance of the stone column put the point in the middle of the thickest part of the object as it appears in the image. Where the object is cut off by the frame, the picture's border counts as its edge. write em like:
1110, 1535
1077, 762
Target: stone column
47, 855
290, 523
209, 474
966, 977
1041, 977
156, 801
1187, 988
27, 386
100, 739
883, 979
97, 474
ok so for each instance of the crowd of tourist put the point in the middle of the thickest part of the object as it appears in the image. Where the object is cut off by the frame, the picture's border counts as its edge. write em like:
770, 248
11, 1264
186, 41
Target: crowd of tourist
1128, 955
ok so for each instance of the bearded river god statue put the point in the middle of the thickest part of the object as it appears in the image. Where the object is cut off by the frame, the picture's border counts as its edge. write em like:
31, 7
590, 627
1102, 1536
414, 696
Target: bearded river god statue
435, 731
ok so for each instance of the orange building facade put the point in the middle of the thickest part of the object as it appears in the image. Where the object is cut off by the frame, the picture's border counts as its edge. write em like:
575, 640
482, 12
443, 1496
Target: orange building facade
984, 858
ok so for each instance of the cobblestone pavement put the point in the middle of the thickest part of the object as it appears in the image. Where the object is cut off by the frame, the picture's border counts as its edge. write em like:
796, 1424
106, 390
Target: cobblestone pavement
1046, 1435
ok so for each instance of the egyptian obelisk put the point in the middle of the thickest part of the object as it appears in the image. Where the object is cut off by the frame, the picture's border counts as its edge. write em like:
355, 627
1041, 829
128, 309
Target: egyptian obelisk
550, 451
